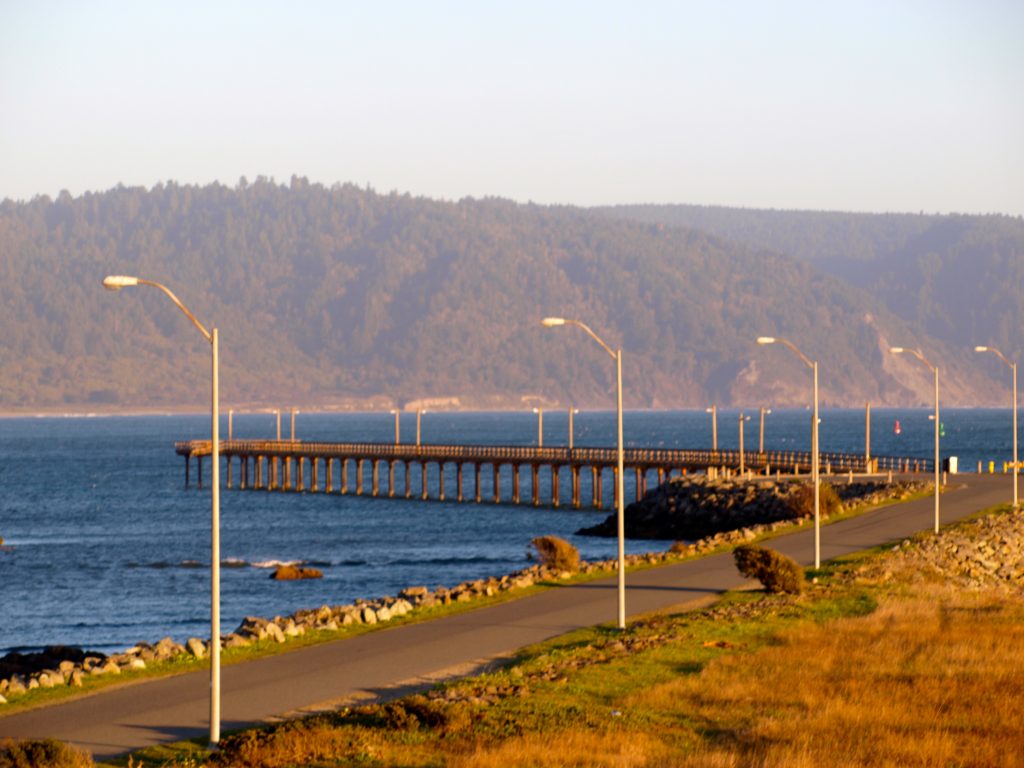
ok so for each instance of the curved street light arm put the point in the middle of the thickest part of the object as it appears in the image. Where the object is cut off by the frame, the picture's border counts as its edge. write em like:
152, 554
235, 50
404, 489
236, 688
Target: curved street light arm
797, 352
997, 353
593, 335
916, 353
182, 307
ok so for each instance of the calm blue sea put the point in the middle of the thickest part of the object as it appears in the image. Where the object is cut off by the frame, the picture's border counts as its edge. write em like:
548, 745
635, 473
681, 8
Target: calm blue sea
106, 547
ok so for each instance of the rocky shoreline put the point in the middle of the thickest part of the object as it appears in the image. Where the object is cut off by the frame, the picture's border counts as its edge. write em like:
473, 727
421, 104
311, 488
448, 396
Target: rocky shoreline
66, 666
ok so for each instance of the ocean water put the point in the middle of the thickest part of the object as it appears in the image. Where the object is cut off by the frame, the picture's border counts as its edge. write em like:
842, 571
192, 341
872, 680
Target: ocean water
104, 546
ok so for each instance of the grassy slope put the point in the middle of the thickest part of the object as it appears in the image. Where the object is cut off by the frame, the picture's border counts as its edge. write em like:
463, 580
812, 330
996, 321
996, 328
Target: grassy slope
875, 665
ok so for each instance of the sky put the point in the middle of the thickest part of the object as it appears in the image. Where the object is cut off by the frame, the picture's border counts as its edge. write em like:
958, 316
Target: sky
855, 106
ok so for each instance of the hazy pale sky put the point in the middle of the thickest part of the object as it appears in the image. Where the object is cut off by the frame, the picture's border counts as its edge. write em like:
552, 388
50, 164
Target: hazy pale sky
862, 106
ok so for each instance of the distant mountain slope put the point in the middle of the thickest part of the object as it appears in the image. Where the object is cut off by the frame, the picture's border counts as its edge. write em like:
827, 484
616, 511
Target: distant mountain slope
344, 296
958, 278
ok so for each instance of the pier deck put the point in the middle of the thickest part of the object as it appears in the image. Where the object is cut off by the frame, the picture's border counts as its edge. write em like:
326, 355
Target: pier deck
296, 466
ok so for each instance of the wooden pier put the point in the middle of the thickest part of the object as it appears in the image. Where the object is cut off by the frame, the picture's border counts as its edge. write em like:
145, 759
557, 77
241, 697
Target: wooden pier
370, 468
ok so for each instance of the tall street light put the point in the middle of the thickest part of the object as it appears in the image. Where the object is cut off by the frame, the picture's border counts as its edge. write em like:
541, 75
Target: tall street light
935, 372
540, 426
1013, 369
551, 322
116, 283
815, 457
572, 412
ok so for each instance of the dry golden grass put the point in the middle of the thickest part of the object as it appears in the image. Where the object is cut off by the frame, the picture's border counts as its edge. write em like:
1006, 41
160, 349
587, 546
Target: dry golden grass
933, 679
574, 749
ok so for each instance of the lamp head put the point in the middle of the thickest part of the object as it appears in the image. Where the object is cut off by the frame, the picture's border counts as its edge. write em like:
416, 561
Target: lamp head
981, 349
896, 350
551, 322
117, 282
765, 339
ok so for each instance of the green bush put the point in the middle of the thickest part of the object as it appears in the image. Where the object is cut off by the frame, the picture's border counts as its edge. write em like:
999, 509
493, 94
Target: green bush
801, 501
775, 571
42, 753
557, 553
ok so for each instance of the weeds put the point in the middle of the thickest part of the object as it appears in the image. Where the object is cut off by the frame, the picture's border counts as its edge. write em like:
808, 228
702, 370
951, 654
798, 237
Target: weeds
775, 571
802, 500
41, 753
557, 553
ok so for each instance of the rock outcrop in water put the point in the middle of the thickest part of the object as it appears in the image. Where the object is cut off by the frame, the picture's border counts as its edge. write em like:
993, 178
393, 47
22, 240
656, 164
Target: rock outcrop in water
294, 572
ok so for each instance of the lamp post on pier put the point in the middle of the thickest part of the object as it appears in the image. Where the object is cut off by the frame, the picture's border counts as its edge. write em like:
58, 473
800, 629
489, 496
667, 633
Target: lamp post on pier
419, 416
540, 426
867, 437
713, 410
760, 439
551, 322
116, 283
397, 433
815, 453
935, 372
742, 461
572, 412
1013, 370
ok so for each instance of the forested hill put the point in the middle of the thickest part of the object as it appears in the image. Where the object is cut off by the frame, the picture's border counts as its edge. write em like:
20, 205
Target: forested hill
959, 278
341, 296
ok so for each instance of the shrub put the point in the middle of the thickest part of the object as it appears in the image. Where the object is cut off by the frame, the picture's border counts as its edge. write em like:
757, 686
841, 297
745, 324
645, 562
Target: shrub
775, 571
557, 553
41, 753
801, 501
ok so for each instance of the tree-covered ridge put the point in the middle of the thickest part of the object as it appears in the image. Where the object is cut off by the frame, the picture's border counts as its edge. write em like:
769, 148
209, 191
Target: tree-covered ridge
959, 278
342, 295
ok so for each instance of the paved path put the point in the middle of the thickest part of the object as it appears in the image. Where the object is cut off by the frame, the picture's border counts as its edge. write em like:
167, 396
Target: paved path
133, 716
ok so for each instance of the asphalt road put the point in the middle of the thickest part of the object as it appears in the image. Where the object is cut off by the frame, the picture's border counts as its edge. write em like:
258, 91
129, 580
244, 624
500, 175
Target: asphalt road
130, 717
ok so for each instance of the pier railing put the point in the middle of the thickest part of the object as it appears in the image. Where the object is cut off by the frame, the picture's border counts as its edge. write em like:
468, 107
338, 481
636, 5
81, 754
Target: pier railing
281, 464
675, 457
